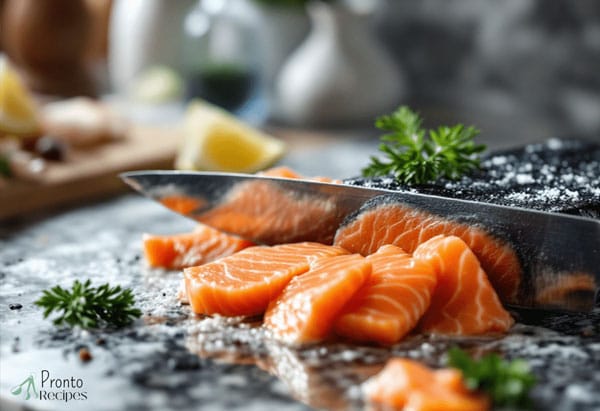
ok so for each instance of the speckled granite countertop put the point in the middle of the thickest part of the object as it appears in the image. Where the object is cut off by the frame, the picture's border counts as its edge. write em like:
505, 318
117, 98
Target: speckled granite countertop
168, 361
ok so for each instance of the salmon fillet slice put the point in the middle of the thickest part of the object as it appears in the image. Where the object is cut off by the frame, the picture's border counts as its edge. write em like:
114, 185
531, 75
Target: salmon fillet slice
203, 245
307, 307
385, 220
253, 209
244, 283
464, 302
182, 204
392, 300
405, 384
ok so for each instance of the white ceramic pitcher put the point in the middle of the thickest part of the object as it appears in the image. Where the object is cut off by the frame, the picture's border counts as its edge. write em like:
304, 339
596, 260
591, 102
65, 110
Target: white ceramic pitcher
340, 75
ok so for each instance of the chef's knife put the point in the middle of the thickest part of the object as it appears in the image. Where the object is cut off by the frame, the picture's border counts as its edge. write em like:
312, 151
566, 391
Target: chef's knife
560, 254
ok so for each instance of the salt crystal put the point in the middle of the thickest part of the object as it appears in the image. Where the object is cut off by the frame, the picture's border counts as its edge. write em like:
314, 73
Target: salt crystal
574, 195
552, 193
498, 161
554, 144
524, 179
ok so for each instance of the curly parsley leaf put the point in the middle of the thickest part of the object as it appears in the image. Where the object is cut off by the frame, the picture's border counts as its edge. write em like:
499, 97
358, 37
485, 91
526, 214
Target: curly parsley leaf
414, 155
90, 307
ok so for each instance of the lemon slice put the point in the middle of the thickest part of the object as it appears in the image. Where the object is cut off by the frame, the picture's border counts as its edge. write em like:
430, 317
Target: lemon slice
17, 110
215, 140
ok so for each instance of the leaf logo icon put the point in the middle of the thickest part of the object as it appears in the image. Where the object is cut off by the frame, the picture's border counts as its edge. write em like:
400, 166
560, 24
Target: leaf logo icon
29, 385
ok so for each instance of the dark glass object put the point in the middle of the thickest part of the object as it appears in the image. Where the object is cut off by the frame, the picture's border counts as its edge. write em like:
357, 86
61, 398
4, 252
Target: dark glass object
220, 55
227, 86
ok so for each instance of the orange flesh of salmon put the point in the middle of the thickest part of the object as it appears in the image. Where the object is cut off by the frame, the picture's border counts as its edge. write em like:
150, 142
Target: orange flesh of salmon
392, 301
464, 302
307, 307
244, 283
253, 208
569, 287
406, 227
182, 203
184, 250
405, 384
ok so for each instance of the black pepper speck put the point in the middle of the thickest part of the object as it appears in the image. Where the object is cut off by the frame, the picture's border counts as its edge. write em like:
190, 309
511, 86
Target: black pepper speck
15, 306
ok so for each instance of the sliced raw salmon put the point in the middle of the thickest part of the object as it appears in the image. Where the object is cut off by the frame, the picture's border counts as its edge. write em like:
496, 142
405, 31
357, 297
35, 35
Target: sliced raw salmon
307, 307
464, 301
406, 384
392, 301
253, 209
574, 290
203, 245
385, 220
245, 282
182, 204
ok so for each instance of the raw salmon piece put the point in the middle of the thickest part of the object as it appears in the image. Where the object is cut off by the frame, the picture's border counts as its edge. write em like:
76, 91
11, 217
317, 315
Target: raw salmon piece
182, 203
464, 301
253, 209
201, 246
574, 290
307, 307
405, 384
385, 220
392, 301
245, 282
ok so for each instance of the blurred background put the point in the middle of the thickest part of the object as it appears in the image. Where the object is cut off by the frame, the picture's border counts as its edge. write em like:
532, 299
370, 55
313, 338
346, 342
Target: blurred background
527, 69
95, 87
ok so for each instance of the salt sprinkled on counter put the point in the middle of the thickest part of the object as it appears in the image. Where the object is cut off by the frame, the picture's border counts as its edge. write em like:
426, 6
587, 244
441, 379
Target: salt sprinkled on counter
556, 176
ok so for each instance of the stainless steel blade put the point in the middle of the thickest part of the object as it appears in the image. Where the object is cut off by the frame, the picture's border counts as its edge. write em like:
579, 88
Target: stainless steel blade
560, 254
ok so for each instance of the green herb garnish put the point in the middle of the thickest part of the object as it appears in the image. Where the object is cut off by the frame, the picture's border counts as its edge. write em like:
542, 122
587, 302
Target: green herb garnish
90, 307
419, 156
506, 382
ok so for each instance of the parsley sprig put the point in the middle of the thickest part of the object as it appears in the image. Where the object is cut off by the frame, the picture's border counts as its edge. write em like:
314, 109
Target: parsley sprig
418, 156
506, 382
90, 307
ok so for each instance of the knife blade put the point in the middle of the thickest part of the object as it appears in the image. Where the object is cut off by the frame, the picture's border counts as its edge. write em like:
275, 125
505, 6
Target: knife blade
554, 248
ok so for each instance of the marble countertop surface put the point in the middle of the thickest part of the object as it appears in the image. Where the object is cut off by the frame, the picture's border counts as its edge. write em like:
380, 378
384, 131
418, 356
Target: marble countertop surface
169, 360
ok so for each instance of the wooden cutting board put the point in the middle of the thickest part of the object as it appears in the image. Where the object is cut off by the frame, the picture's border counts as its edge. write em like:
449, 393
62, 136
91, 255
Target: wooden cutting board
91, 174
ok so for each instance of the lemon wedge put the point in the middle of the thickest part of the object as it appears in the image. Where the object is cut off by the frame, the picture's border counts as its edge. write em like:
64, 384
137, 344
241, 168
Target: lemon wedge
18, 114
215, 140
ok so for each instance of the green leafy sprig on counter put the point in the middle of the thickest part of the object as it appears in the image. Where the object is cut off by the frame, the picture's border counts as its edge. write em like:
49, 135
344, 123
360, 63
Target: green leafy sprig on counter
415, 156
90, 307
506, 382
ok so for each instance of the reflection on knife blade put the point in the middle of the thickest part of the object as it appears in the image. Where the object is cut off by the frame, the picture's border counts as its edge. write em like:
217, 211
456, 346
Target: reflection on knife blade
274, 210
